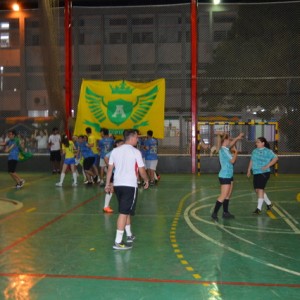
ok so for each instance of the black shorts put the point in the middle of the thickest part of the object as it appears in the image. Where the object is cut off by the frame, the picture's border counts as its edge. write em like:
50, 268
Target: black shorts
127, 197
225, 180
88, 163
260, 180
12, 165
55, 155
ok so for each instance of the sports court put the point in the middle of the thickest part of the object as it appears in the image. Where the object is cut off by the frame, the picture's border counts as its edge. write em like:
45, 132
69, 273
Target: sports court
56, 243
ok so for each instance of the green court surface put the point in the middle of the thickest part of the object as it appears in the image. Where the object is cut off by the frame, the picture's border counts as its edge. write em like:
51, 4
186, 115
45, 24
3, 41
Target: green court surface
56, 243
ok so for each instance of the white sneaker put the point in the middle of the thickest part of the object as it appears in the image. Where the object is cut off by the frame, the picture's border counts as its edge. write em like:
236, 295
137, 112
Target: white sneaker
58, 184
74, 184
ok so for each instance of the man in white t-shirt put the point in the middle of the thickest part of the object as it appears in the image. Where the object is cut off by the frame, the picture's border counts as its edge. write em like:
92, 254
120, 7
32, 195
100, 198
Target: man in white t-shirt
128, 163
55, 155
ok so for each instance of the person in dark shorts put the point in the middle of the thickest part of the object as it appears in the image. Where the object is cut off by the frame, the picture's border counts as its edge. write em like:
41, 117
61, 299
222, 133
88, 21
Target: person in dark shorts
12, 146
54, 141
128, 162
262, 158
227, 156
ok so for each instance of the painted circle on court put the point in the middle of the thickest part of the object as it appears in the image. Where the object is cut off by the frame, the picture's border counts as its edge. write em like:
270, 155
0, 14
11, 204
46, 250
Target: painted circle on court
7, 206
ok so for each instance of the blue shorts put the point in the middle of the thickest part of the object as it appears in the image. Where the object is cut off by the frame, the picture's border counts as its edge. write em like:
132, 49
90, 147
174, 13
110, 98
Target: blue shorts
69, 161
225, 180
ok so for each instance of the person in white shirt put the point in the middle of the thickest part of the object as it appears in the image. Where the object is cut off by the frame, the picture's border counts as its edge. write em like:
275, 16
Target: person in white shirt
54, 145
128, 163
42, 140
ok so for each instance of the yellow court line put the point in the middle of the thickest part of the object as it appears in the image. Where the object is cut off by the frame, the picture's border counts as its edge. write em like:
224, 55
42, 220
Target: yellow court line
31, 209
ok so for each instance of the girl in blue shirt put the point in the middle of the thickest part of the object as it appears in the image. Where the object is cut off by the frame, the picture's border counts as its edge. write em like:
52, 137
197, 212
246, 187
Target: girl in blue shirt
227, 157
262, 158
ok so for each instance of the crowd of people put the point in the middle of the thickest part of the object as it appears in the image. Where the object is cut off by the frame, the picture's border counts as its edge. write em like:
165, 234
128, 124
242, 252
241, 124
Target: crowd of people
121, 165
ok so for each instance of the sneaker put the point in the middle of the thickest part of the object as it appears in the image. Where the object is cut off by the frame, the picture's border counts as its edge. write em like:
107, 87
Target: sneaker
58, 184
22, 182
214, 217
151, 182
130, 239
102, 183
269, 206
121, 246
95, 178
257, 212
18, 186
227, 215
74, 184
108, 210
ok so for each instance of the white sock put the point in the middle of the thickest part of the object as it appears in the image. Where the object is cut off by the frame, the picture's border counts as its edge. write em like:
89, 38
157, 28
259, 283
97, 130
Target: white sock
75, 177
107, 199
267, 200
260, 203
128, 230
62, 177
119, 236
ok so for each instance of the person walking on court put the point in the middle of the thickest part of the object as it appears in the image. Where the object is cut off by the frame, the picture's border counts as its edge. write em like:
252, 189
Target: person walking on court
151, 158
128, 162
92, 143
262, 158
69, 151
13, 148
105, 145
108, 196
227, 157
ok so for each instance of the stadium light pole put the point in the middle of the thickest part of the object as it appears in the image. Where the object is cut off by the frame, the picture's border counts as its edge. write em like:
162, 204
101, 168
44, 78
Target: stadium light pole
194, 72
68, 63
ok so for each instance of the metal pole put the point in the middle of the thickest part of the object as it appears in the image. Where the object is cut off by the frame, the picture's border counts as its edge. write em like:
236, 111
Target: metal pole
68, 62
194, 71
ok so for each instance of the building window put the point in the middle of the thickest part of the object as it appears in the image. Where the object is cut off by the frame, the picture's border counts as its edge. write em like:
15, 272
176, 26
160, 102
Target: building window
4, 39
142, 37
117, 38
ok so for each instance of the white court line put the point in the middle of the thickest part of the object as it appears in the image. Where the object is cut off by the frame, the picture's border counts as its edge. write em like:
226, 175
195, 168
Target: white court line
291, 217
243, 254
286, 220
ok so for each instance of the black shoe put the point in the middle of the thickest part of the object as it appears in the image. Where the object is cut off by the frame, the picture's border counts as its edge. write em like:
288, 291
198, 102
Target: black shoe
227, 215
257, 212
214, 217
269, 206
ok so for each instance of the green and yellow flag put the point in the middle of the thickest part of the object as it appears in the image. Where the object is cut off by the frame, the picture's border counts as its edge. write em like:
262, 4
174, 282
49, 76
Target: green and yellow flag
119, 105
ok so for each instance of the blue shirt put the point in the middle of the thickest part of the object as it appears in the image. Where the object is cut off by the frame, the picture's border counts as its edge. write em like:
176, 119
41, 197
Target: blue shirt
151, 151
85, 150
140, 145
105, 145
261, 157
14, 152
225, 158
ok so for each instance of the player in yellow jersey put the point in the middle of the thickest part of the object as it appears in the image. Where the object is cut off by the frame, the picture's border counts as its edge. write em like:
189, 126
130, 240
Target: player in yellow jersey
92, 143
69, 150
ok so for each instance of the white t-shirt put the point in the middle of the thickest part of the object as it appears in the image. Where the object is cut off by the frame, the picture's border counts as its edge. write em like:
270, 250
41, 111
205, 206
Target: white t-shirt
55, 140
126, 160
42, 142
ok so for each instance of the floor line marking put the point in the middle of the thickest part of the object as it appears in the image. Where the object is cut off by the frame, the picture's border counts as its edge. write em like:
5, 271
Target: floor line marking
153, 280
41, 228
292, 219
287, 221
243, 254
